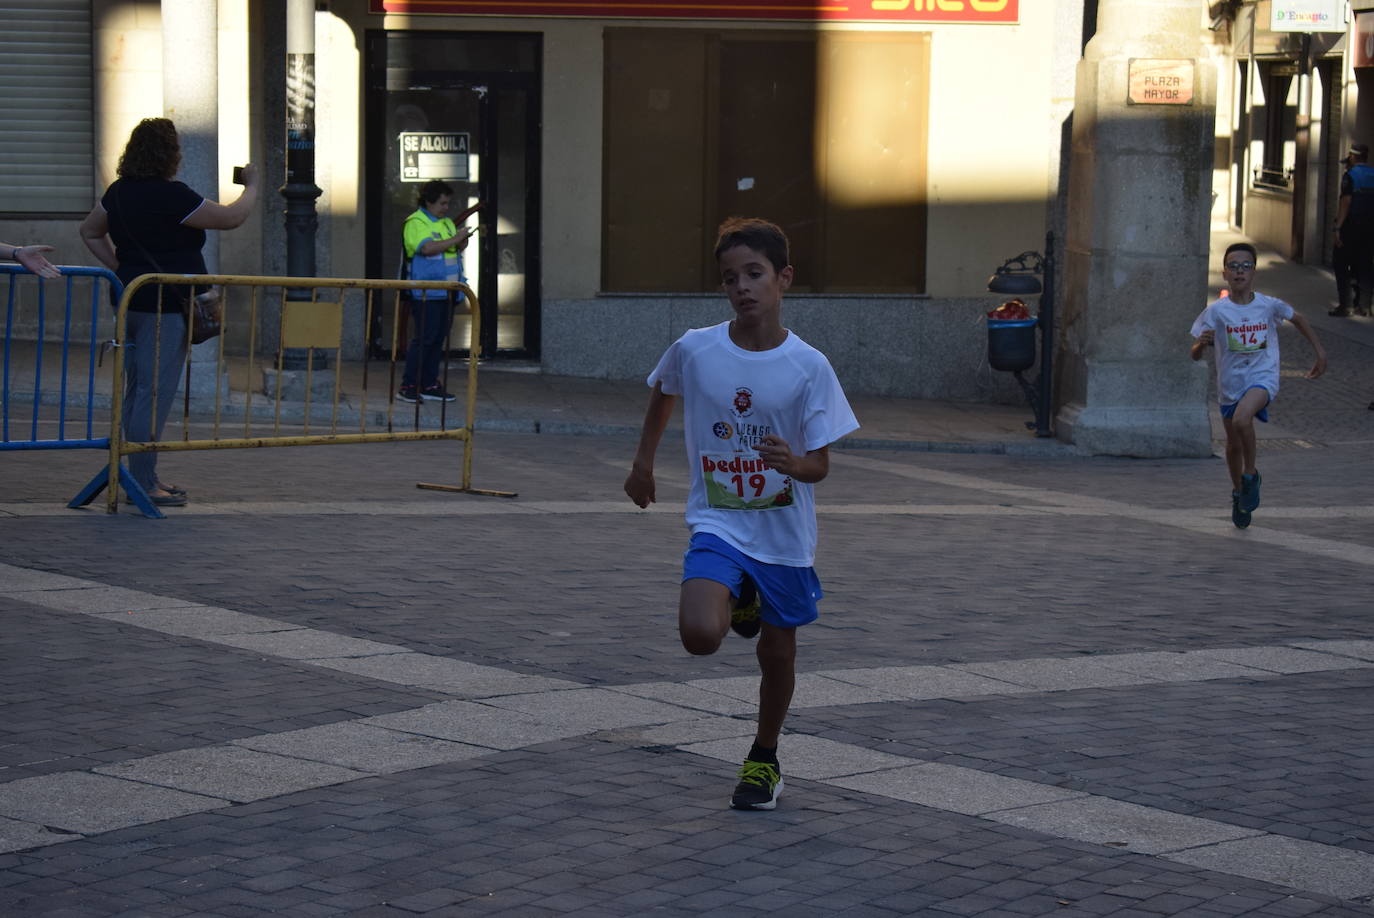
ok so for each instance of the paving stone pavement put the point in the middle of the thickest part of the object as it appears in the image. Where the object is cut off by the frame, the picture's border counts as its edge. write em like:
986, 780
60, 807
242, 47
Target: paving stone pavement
1041, 684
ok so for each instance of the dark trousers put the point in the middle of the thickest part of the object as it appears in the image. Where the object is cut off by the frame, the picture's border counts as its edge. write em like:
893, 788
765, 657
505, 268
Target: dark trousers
1353, 261
429, 324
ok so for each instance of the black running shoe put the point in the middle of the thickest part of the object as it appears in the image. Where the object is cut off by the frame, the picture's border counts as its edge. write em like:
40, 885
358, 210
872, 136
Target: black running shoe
437, 393
408, 394
1238, 516
1250, 492
744, 616
760, 784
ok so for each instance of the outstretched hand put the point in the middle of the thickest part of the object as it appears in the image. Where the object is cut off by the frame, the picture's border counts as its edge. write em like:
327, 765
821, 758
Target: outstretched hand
31, 257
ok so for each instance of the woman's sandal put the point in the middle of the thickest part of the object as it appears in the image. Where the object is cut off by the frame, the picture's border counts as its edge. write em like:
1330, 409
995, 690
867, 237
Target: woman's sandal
171, 489
164, 499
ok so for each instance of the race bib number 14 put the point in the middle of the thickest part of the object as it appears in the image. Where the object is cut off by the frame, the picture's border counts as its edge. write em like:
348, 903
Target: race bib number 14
742, 481
1247, 337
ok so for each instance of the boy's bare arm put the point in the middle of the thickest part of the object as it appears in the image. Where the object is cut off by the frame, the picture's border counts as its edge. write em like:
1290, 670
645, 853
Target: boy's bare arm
1302, 325
639, 485
1201, 343
809, 468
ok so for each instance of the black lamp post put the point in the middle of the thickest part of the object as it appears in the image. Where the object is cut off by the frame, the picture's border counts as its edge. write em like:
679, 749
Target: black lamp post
1021, 276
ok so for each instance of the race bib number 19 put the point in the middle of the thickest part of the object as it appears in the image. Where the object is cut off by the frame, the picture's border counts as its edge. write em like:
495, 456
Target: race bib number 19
742, 481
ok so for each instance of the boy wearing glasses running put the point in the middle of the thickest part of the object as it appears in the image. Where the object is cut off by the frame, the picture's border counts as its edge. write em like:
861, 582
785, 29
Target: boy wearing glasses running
1247, 324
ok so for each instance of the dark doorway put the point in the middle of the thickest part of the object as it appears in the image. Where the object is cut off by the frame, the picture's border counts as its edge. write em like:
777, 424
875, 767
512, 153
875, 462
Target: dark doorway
482, 88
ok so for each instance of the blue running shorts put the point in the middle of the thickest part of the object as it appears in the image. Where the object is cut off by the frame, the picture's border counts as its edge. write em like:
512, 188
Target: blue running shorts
1261, 415
789, 594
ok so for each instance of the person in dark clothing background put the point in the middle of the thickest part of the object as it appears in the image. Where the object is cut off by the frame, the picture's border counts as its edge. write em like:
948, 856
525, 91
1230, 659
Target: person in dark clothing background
1354, 249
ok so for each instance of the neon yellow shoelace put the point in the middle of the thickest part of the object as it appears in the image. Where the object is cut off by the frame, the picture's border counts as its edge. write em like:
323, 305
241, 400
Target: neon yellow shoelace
761, 773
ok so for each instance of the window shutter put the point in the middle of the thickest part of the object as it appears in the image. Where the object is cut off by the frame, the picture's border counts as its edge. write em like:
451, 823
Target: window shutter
46, 136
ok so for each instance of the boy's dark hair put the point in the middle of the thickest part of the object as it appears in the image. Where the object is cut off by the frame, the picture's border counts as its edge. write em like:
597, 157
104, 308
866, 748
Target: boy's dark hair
759, 235
431, 191
153, 151
1240, 247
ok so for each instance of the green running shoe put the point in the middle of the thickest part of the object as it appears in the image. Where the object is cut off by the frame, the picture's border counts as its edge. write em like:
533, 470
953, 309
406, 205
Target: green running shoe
760, 784
744, 615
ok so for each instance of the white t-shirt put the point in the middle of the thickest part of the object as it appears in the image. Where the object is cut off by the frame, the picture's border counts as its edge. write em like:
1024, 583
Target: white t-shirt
733, 398
1246, 343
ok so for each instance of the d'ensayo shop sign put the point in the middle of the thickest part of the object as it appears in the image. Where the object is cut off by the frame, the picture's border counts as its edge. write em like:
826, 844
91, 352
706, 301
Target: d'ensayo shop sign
891, 11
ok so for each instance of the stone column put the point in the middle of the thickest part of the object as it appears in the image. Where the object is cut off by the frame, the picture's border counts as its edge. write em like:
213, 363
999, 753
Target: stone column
190, 97
1135, 262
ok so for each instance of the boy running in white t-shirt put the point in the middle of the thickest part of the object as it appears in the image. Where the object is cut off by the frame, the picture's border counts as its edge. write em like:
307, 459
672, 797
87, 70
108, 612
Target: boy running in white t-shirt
760, 410
1247, 323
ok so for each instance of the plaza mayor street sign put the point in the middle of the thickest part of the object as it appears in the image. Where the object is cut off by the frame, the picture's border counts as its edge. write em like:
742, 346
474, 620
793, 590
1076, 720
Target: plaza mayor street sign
885, 11
1160, 82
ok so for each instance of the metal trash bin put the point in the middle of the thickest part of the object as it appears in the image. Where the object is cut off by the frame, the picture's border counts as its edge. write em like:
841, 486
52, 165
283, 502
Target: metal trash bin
1011, 344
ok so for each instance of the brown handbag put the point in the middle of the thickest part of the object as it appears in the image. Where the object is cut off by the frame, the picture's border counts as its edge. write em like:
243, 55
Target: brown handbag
205, 315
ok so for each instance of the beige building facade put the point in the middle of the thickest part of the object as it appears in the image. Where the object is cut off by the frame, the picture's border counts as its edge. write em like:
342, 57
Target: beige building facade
908, 150
1290, 106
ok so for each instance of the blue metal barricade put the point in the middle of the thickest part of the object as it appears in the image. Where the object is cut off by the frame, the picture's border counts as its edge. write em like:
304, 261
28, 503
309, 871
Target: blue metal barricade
49, 395
27, 381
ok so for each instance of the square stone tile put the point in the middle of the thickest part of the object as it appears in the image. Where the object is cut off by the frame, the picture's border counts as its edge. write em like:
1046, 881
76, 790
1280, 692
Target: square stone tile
1126, 825
1289, 862
16, 836
197, 621
1282, 659
693, 697
476, 724
590, 709
306, 644
77, 801
230, 772
1166, 666
956, 789
1054, 674
20, 579
100, 599
921, 682
442, 674
804, 756
363, 748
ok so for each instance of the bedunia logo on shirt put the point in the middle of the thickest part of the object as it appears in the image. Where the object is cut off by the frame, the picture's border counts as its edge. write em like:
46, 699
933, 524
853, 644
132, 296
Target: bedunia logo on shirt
743, 466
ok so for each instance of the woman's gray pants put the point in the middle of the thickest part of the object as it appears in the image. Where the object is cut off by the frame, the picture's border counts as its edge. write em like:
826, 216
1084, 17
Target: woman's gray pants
152, 372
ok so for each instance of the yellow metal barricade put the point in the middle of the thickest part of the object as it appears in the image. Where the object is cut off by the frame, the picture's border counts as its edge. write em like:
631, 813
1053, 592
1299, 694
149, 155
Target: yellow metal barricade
305, 322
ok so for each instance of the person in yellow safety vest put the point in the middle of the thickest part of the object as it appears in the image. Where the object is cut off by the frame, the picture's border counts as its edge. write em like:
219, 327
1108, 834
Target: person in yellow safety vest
433, 242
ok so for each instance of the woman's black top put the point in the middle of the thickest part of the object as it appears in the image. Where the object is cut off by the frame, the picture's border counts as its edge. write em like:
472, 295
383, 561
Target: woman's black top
145, 217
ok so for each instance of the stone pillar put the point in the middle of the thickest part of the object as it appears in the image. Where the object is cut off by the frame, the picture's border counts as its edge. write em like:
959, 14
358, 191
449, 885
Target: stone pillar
1135, 263
190, 97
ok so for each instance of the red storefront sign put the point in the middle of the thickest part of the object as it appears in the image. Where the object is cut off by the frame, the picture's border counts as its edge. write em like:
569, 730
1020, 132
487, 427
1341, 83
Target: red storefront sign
885, 11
